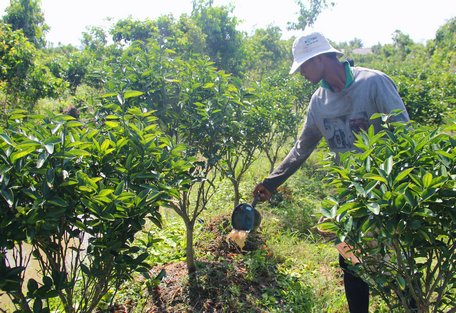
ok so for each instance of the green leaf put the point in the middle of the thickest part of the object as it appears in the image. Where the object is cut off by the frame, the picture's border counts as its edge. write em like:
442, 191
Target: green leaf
78, 153
105, 145
47, 281
7, 139
399, 201
73, 124
401, 282
112, 124
41, 159
8, 195
141, 258
119, 188
56, 128
49, 148
20, 154
32, 285
427, 180
105, 192
402, 175
445, 154
111, 117
58, 202
209, 85
365, 154
37, 305
359, 189
85, 269
375, 177
328, 226
374, 207
410, 198
347, 206
389, 165
132, 93
376, 115
108, 95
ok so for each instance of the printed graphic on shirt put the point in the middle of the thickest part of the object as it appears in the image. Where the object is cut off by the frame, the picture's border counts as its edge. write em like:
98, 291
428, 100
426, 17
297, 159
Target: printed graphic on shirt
340, 130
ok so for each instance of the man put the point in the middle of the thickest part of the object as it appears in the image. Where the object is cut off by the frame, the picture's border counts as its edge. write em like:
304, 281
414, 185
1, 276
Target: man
341, 106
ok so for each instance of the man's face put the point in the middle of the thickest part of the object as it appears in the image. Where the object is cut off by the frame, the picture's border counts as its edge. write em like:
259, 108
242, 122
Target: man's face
312, 70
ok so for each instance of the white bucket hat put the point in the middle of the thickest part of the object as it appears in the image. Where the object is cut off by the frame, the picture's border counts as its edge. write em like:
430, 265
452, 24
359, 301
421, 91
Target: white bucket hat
308, 46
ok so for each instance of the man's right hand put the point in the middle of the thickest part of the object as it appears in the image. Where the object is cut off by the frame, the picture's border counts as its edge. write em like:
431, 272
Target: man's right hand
262, 192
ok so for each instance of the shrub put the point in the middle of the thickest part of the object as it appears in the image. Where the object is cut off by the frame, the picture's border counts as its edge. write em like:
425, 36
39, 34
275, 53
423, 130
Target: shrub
396, 207
77, 193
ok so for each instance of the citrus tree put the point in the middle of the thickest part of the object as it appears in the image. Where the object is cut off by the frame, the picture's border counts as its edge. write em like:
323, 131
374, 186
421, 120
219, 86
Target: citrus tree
281, 100
76, 193
203, 106
395, 206
196, 105
24, 79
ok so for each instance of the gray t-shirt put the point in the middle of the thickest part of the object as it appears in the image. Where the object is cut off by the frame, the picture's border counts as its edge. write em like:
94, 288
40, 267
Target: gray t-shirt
336, 116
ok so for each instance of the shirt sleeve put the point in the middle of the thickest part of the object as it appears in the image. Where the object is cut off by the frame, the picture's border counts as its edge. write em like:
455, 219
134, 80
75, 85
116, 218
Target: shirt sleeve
388, 99
304, 146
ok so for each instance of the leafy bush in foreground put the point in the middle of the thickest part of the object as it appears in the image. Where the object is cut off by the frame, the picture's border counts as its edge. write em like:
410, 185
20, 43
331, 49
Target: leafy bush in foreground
77, 193
396, 208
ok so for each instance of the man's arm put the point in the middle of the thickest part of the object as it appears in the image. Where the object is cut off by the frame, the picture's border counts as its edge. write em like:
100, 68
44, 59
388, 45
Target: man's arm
388, 99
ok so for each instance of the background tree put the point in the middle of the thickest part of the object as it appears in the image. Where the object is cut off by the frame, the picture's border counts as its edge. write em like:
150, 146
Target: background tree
282, 101
27, 16
69, 64
206, 101
243, 139
24, 77
307, 14
265, 52
442, 47
223, 40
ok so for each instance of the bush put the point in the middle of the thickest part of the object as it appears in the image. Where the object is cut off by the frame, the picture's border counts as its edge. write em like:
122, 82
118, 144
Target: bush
395, 206
77, 193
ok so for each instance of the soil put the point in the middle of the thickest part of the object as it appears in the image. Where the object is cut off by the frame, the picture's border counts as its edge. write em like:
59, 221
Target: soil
221, 282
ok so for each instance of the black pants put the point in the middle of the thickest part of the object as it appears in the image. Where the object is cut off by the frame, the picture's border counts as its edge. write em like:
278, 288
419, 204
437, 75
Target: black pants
356, 290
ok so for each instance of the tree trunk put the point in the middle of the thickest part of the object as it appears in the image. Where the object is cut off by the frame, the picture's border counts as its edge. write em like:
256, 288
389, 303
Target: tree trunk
237, 194
189, 252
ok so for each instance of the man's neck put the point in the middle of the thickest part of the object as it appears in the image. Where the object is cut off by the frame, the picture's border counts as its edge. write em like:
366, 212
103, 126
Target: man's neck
336, 77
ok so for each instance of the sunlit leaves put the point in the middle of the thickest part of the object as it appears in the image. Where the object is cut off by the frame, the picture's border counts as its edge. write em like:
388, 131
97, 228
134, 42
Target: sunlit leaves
59, 175
397, 205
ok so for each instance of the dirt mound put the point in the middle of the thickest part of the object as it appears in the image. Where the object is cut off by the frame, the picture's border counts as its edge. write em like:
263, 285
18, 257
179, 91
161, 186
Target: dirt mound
222, 281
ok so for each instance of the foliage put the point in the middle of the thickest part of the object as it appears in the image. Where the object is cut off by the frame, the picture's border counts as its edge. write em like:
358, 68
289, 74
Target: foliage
428, 95
424, 74
220, 92
280, 106
26, 15
77, 194
395, 207
68, 64
23, 77
242, 139
16, 53
129, 30
223, 40
196, 105
442, 48
265, 52
307, 15
205, 101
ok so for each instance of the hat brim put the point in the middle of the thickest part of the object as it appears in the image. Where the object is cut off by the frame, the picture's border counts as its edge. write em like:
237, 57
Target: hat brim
297, 63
